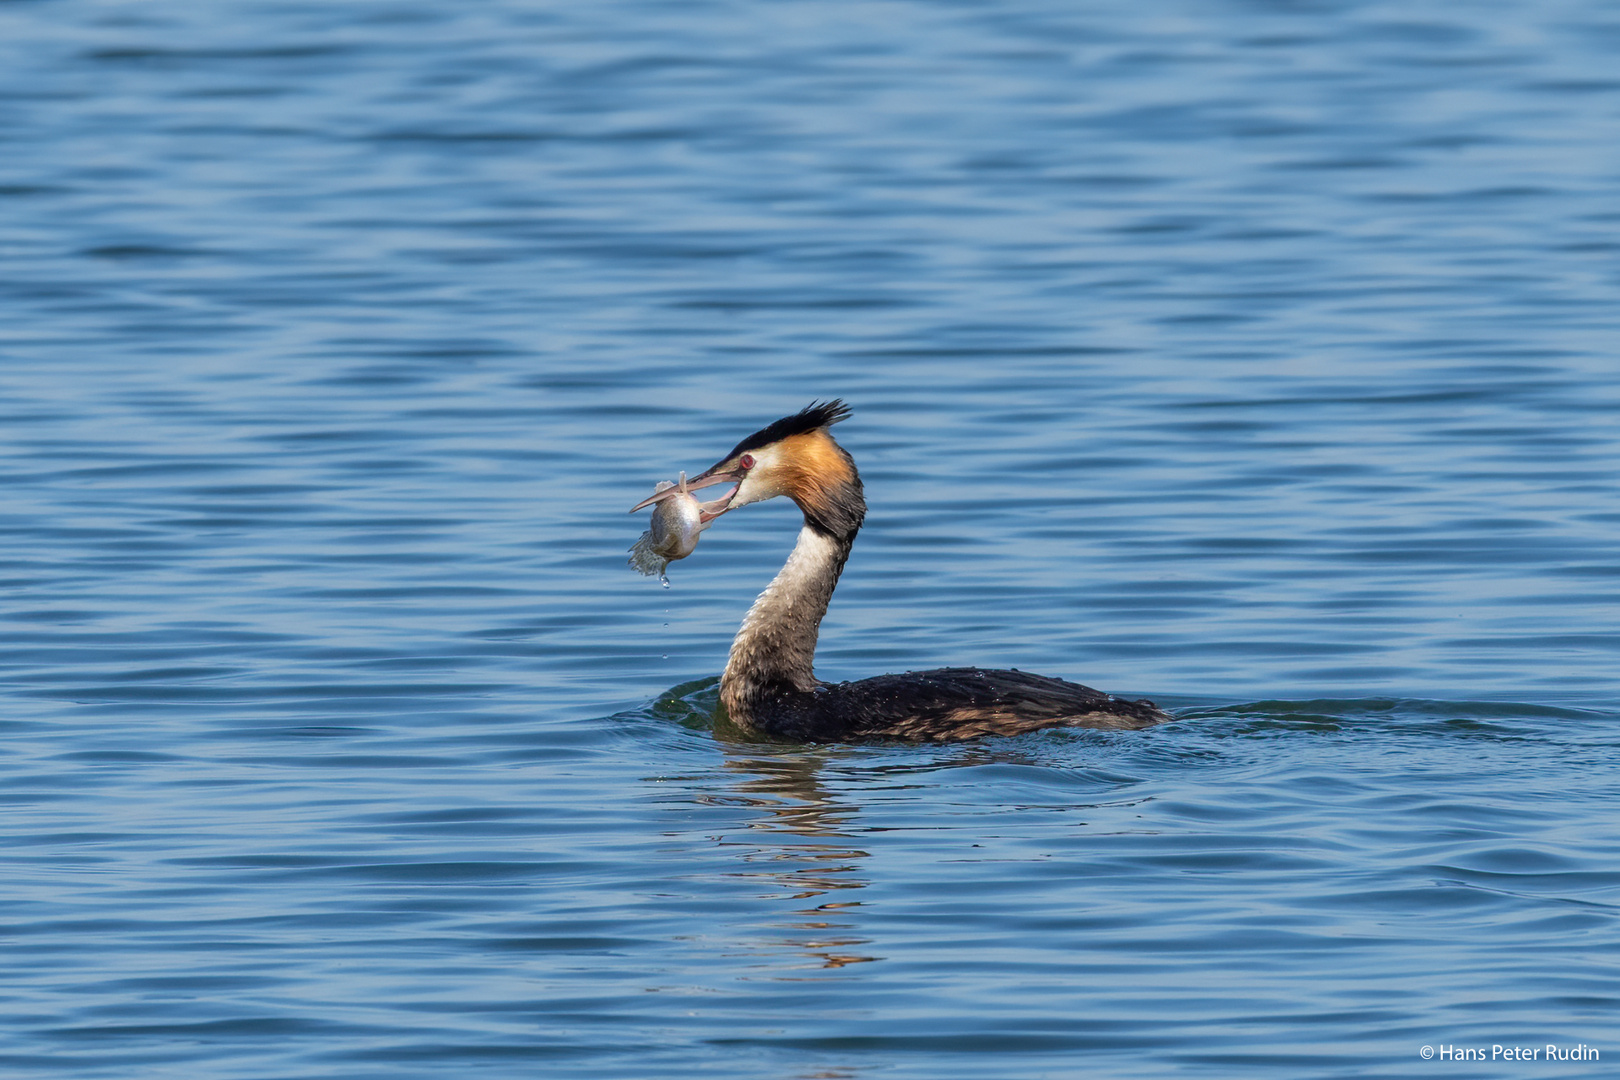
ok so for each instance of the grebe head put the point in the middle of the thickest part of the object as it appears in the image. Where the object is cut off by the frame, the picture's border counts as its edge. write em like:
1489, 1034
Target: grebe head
797, 457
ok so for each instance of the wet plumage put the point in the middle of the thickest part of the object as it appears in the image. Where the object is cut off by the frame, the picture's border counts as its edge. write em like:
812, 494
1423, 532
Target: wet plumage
946, 704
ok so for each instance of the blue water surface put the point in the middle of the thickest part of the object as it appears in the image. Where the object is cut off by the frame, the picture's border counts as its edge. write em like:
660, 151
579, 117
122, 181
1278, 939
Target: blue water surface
1260, 358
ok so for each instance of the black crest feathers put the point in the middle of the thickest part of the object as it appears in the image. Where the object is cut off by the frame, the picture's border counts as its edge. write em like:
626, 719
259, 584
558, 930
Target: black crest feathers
818, 414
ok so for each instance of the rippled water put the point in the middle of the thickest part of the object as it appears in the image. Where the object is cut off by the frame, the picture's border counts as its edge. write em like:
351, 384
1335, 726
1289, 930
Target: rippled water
1258, 358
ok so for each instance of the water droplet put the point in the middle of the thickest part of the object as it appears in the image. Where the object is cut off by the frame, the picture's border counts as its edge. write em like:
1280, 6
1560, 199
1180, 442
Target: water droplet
664, 581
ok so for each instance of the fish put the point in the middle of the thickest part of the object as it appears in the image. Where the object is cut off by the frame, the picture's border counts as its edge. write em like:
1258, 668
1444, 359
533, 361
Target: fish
677, 521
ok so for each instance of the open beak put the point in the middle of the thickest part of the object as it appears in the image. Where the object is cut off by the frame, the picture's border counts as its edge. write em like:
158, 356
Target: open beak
708, 511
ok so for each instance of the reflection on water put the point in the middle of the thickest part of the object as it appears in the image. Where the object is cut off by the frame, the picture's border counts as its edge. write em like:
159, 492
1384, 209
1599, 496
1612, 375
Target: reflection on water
801, 843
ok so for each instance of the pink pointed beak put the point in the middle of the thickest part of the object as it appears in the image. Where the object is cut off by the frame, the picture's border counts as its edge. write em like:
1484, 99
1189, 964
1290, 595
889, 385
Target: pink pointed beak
706, 511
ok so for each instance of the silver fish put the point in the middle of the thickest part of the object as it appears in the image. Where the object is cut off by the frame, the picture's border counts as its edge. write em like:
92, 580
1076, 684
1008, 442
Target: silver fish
676, 523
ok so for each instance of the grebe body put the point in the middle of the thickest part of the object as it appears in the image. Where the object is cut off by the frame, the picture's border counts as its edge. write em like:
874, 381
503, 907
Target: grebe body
769, 684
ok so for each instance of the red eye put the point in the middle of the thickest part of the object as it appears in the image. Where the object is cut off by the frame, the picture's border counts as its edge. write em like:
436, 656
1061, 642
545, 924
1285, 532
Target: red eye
746, 461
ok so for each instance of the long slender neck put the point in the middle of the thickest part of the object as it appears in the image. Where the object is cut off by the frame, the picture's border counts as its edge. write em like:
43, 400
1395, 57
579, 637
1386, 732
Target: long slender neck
776, 647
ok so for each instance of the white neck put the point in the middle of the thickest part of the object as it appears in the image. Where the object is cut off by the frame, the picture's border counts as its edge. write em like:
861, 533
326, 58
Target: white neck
776, 646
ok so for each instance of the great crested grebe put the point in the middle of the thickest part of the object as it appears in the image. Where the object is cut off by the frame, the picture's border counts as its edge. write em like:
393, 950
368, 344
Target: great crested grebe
769, 685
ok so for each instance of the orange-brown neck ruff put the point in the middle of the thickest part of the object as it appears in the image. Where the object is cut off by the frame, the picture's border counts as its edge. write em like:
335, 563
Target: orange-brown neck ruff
819, 475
